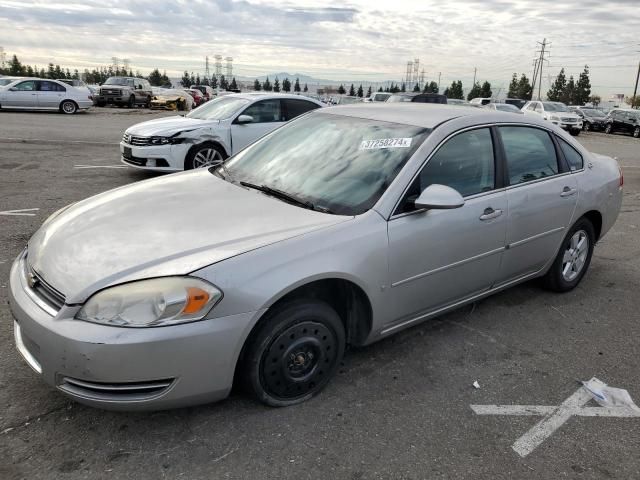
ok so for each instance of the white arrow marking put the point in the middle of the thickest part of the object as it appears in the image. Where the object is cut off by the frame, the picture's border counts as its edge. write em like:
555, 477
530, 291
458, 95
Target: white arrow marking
554, 417
23, 212
100, 166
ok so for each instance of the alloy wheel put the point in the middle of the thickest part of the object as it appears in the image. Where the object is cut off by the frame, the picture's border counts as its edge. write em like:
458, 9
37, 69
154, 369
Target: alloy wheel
68, 107
298, 360
207, 157
575, 255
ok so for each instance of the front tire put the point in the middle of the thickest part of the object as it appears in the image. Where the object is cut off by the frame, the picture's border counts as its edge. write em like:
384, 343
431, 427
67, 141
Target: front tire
636, 132
204, 156
608, 128
575, 132
294, 353
132, 102
586, 127
68, 107
573, 259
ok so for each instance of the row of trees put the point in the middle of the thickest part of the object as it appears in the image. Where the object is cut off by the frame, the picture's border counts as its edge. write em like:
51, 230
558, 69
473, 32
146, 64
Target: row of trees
571, 92
286, 86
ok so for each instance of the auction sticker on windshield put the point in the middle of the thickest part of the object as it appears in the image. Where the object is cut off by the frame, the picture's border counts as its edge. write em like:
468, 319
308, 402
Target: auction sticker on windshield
385, 143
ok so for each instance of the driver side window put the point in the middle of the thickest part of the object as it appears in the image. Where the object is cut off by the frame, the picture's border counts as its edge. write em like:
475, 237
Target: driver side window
265, 111
27, 86
464, 163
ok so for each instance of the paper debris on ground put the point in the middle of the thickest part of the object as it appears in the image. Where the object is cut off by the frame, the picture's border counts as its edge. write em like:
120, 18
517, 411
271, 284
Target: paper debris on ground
607, 396
476, 384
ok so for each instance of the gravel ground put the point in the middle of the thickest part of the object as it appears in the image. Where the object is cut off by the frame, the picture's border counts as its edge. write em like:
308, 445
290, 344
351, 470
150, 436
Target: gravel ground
398, 409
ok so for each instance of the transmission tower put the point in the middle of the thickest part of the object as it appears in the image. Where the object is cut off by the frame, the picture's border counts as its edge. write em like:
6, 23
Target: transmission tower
207, 74
422, 79
229, 67
115, 61
3, 58
218, 65
126, 64
409, 72
537, 74
416, 70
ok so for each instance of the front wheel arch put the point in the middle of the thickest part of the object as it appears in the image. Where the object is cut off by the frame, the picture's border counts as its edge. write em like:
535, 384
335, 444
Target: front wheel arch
192, 151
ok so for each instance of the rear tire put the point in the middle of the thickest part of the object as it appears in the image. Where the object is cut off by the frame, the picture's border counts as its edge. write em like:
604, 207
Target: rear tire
575, 132
68, 107
636, 132
586, 127
608, 128
101, 103
132, 102
294, 353
573, 258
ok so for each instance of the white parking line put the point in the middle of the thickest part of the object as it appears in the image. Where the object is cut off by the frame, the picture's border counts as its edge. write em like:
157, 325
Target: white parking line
22, 212
554, 417
100, 166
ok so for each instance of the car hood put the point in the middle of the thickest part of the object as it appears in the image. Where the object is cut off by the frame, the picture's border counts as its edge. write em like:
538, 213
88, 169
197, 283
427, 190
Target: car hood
168, 126
172, 225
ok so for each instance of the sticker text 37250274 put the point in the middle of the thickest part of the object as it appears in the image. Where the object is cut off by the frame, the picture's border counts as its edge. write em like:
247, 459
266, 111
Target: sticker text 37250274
385, 143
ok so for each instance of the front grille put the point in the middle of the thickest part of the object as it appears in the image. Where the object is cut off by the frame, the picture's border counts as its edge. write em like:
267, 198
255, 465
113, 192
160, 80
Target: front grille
42, 290
107, 91
135, 141
568, 120
141, 162
114, 392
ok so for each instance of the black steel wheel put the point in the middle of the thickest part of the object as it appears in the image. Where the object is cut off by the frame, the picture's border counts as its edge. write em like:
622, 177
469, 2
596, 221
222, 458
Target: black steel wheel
132, 102
636, 132
294, 353
608, 128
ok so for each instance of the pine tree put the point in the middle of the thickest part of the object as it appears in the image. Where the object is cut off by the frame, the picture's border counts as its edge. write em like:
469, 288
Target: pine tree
569, 92
286, 85
431, 87
306, 89
380, 89
341, 90
514, 87
30, 71
296, 86
15, 67
360, 92
557, 89
233, 85
352, 91
416, 88
197, 79
485, 91
223, 83
214, 82
185, 81
403, 88
583, 87
276, 85
525, 89
475, 91
256, 85
76, 75
266, 86
369, 92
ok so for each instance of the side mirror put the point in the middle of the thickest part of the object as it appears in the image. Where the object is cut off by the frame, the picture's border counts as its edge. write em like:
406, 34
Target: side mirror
13, 89
439, 197
244, 119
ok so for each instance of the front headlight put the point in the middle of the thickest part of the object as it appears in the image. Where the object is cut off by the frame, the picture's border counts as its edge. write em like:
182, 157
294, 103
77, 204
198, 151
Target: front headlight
151, 303
554, 118
165, 140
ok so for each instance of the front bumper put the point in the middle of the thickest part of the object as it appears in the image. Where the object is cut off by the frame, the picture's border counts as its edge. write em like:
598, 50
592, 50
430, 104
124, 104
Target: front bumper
158, 158
127, 368
568, 126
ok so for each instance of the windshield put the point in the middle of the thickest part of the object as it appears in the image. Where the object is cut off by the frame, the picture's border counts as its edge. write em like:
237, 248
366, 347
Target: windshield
399, 98
505, 107
344, 166
6, 81
555, 107
118, 81
593, 112
219, 108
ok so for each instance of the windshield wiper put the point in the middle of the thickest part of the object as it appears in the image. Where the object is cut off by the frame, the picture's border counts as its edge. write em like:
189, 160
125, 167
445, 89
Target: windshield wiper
274, 192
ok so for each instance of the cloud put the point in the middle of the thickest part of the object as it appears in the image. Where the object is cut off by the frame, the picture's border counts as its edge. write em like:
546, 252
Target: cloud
360, 39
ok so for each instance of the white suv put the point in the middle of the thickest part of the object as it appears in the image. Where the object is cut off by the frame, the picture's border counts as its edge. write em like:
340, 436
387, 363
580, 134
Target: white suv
557, 113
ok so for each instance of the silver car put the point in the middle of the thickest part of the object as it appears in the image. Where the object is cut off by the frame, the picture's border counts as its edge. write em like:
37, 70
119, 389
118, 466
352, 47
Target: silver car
340, 228
42, 94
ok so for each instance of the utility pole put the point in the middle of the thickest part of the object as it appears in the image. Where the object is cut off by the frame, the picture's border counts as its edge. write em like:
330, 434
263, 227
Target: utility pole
635, 90
475, 70
533, 77
439, 75
541, 60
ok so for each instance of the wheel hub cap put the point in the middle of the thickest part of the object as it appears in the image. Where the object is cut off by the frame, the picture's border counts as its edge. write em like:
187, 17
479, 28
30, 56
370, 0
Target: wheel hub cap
207, 157
575, 255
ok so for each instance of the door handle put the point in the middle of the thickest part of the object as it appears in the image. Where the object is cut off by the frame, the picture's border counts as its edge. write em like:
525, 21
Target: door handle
490, 214
568, 191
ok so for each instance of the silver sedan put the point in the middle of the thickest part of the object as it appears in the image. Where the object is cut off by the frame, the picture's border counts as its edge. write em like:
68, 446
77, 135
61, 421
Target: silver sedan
43, 94
262, 270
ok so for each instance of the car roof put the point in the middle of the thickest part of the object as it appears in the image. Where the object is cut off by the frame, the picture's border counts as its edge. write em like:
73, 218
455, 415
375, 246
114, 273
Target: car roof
426, 115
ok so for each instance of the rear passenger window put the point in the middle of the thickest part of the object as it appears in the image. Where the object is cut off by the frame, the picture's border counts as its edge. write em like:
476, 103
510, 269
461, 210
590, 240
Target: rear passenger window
465, 163
265, 111
571, 154
51, 87
293, 108
530, 154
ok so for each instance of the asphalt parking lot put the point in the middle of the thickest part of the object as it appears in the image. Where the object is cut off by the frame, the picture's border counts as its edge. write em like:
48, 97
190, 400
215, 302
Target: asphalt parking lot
398, 409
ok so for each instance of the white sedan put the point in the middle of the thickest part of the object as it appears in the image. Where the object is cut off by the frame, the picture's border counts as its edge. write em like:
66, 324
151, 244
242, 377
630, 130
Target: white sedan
210, 133
41, 94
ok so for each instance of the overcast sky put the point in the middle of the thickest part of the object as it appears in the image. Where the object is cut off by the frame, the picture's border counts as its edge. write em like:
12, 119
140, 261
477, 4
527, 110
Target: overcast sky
355, 40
